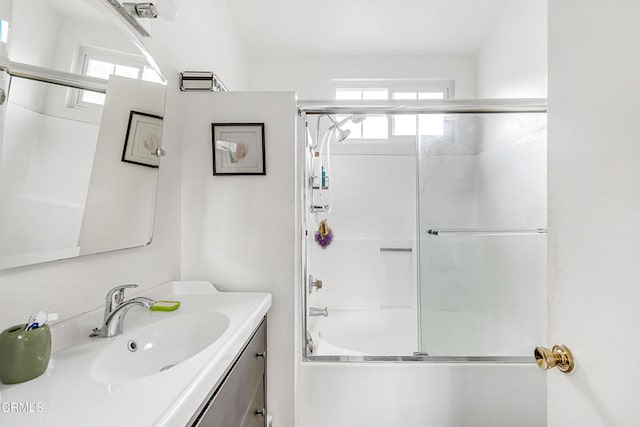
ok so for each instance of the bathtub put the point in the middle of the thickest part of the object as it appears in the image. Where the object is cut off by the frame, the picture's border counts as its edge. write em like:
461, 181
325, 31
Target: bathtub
392, 394
359, 332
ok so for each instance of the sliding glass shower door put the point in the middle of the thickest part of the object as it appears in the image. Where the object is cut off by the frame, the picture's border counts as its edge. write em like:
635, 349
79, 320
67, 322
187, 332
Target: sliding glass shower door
482, 235
426, 249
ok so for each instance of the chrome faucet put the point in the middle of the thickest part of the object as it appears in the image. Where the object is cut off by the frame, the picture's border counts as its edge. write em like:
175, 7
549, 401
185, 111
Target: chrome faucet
116, 307
314, 311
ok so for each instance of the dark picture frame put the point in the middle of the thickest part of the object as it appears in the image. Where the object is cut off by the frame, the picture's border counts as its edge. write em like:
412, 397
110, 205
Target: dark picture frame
144, 138
238, 148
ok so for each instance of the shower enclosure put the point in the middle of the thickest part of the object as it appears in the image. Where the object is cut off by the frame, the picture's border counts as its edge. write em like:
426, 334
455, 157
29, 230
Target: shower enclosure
429, 247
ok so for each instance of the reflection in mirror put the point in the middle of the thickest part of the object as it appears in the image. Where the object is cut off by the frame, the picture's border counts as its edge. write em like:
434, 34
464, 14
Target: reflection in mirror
73, 74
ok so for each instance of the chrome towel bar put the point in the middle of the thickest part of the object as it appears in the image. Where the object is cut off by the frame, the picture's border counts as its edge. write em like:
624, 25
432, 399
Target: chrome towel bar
444, 233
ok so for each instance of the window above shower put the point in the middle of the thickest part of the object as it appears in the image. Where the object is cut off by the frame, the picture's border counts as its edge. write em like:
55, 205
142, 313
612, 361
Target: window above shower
398, 128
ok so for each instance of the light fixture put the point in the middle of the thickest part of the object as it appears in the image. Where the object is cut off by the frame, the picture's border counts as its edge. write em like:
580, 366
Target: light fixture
141, 10
131, 12
165, 9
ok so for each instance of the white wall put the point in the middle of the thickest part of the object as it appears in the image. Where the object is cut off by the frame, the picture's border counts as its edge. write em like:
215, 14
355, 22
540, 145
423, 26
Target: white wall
239, 231
74, 286
512, 62
310, 76
27, 43
203, 37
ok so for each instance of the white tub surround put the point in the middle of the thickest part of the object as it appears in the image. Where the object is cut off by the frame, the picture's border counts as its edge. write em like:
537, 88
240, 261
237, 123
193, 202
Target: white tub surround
83, 387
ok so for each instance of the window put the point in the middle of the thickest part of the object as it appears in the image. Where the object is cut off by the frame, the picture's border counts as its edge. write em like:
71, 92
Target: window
102, 64
396, 126
373, 127
426, 124
4, 31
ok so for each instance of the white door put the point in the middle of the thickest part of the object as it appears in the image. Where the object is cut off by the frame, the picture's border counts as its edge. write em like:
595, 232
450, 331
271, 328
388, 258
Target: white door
594, 210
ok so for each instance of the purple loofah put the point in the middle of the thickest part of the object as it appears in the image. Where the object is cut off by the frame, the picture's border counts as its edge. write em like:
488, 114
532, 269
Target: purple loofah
324, 241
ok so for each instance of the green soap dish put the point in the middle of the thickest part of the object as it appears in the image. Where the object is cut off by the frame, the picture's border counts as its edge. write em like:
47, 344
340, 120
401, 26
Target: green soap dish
163, 305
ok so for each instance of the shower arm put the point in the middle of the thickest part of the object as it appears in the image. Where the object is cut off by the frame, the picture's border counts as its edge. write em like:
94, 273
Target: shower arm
355, 118
333, 126
335, 122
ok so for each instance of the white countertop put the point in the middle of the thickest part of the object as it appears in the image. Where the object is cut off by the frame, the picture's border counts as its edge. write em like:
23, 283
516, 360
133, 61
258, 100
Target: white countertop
67, 394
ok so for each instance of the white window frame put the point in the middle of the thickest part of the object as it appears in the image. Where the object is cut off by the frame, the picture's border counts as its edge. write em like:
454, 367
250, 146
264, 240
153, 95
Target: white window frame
86, 53
447, 87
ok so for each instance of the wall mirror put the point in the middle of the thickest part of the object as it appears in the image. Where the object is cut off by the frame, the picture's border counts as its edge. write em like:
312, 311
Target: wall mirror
80, 132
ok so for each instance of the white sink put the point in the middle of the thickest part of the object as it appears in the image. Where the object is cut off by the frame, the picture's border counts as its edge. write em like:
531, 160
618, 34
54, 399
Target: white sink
158, 347
179, 356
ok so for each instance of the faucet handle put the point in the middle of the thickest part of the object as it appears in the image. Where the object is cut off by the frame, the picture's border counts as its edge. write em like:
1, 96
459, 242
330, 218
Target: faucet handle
116, 295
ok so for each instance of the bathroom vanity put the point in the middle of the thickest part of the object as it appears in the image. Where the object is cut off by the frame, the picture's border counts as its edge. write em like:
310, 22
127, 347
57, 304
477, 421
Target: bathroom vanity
201, 365
240, 401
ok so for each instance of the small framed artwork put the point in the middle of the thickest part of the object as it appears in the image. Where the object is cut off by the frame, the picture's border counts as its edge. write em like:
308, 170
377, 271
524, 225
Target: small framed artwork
143, 140
238, 148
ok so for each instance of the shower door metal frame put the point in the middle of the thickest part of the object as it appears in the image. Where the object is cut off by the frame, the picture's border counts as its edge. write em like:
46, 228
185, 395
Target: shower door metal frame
312, 107
426, 106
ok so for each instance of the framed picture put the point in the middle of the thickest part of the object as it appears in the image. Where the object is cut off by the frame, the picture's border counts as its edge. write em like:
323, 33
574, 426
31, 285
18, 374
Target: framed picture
238, 148
143, 140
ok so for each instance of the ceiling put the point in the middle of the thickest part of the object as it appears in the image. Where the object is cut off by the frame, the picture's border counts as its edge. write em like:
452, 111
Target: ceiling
324, 27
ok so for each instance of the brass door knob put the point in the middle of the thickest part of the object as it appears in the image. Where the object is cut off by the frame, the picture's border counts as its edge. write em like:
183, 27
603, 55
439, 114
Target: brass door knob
559, 356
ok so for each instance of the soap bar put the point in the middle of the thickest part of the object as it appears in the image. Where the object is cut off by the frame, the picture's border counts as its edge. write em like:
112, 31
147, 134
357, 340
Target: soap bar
165, 305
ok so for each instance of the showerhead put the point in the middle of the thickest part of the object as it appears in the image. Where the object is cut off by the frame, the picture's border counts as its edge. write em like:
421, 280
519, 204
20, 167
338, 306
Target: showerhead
342, 134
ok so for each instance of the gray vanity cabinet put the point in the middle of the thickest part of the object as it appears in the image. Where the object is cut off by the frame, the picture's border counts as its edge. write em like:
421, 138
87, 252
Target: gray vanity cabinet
239, 400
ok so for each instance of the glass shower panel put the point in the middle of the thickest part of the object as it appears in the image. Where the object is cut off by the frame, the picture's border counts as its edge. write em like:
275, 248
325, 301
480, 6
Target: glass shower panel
368, 271
482, 235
